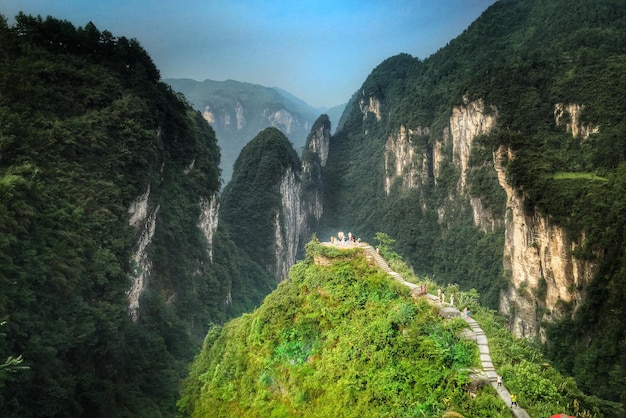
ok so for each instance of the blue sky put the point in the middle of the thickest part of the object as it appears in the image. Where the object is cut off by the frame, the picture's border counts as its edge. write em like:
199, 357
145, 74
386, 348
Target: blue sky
320, 51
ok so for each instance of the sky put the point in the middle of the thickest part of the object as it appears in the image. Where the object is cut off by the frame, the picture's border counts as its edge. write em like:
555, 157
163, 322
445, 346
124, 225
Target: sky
320, 51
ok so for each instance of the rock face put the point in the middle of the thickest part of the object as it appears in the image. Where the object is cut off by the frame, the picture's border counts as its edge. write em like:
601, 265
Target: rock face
209, 220
144, 221
570, 116
289, 224
545, 277
404, 161
370, 104
466, 123
411, 158
314, 160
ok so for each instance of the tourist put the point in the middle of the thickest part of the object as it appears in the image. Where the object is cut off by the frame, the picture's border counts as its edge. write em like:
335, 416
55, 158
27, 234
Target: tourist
499, 381
513, 400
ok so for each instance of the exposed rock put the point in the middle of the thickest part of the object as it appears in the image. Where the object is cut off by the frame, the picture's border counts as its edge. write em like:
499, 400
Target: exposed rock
283, 120
466, 123
146, 224
570, 116
138, 210
538, 258
208, 115
208, 221
438, 155
240, 115
370, 105
289, 223
319, 141
404, 161
312, 164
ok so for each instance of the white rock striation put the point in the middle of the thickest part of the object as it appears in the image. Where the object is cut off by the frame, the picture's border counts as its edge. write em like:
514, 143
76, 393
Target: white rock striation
145, 223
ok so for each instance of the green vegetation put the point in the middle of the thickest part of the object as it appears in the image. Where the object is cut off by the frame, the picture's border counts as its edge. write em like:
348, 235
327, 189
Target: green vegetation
540, 388
252, 198
339, 338
85, 128
523, 57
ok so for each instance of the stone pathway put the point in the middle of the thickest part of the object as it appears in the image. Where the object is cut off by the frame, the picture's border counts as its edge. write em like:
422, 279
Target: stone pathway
447, 311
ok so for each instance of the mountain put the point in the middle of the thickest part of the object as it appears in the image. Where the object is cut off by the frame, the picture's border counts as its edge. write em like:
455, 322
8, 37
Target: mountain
238, 111
260, 204
111, 263
342, 338
498, 163
273, 202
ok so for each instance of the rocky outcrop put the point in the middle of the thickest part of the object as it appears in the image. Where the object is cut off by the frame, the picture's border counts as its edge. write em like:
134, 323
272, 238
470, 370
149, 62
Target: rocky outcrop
289, 224
438, 152
404, 161
209, 211
313, 161
282, 120
570, 115
144, 221
466, 123
545, 277
368, 105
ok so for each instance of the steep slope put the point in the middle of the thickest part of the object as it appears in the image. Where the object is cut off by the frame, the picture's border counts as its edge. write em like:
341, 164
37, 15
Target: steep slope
342, 338
261, 204
109, 266
498, 163
239, 111
314, 157
338, 338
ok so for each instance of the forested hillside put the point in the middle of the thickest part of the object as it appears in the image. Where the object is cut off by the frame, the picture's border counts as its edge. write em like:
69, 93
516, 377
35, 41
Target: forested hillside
342, 338
92, 148
252, 202
398, 163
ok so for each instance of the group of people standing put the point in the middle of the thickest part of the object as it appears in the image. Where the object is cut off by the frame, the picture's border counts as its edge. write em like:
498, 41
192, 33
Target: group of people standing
342, 238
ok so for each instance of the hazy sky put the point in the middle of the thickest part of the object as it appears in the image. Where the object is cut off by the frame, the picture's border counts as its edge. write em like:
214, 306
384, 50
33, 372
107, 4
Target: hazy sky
321, 51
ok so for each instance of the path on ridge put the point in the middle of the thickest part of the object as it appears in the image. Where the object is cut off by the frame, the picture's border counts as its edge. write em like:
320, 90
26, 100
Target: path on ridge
481, 338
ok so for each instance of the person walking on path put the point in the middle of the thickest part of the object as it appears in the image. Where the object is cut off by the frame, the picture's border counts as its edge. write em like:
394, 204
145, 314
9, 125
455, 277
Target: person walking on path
513, 400
499, 381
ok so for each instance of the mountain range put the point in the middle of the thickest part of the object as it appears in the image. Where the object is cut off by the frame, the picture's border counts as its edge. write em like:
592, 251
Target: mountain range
494, 169
238, 111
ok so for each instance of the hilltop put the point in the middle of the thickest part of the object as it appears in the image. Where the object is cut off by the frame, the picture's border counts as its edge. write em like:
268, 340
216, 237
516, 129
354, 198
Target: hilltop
342, 338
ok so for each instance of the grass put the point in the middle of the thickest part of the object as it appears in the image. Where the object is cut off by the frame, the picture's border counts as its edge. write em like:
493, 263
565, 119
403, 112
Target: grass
566, 175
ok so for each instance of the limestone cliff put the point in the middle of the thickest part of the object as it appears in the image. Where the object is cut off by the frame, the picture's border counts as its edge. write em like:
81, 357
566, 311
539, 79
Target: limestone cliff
143, 220
209, 220
412, 159
405, 161
289, 223
466, 123
370, 104
545, 278
314, 159
570, 116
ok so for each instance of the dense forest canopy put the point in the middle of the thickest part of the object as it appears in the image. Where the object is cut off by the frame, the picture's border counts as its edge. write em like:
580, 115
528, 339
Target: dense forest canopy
85, 128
